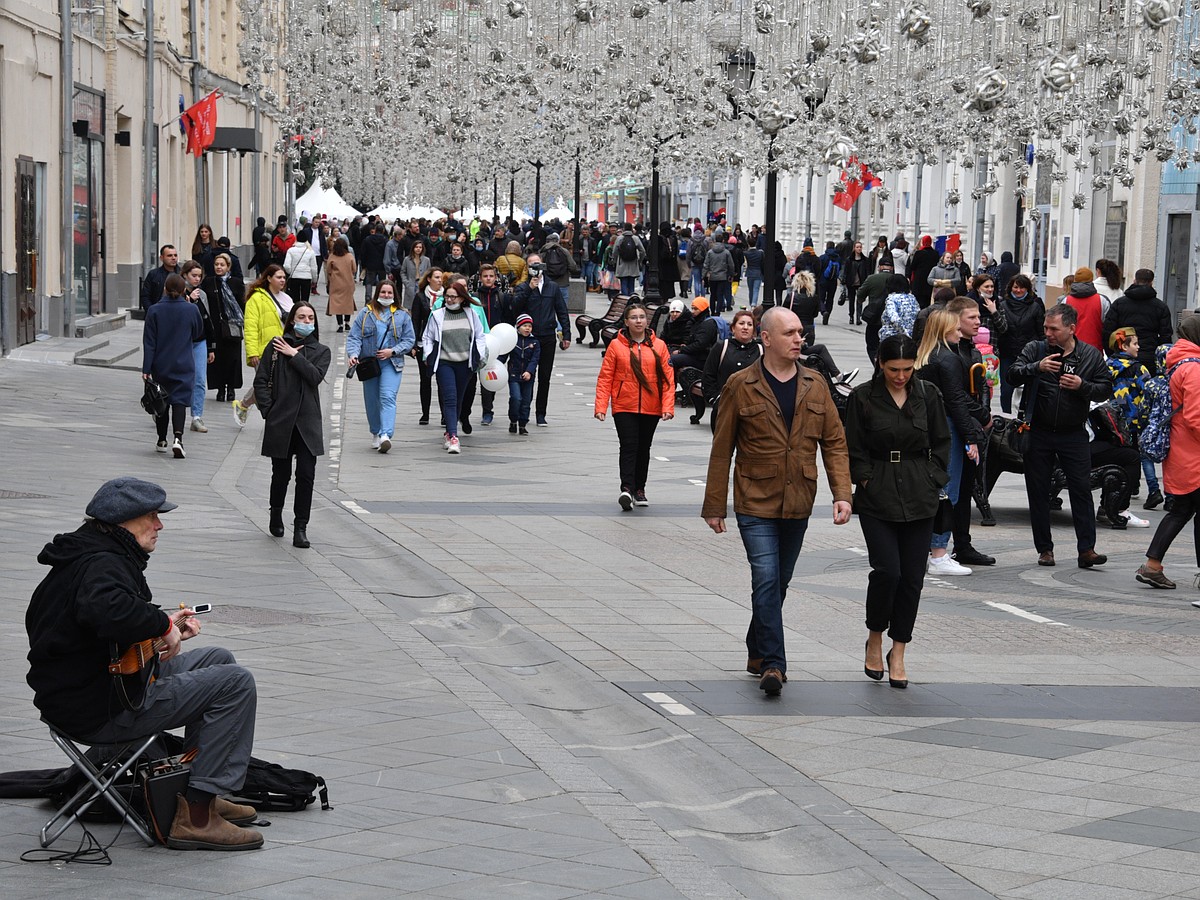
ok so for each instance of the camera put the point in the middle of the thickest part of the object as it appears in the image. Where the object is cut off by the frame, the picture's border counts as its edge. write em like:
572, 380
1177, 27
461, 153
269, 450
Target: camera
536, 268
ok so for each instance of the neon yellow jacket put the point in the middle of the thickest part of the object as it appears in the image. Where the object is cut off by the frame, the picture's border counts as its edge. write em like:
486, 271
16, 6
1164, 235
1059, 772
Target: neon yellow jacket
262, 323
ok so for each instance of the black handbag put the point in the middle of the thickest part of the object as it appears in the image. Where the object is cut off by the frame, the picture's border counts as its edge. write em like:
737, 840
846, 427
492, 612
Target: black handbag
368, 368
154, 398
231, 331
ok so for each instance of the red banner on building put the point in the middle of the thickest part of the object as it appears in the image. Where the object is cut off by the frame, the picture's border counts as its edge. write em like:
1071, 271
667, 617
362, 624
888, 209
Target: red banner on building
200, 120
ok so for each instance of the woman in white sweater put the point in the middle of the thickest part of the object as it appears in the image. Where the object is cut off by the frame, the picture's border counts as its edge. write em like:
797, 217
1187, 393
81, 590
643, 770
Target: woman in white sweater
300, 264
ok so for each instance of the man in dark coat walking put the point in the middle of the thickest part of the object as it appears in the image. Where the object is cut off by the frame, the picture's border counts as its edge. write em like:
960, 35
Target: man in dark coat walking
172, 326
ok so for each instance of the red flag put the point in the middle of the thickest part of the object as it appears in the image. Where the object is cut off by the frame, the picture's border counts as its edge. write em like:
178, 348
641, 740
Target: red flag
854, 188
200, 119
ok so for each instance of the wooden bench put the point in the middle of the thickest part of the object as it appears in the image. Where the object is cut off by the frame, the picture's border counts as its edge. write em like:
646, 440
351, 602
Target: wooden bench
616, 311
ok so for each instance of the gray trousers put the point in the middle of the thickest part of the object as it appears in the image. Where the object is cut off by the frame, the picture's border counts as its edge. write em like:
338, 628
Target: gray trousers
214, 700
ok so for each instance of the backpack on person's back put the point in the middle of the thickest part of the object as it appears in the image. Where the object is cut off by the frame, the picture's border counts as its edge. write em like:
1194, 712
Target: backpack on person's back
833, 269
557, 265
627, 249
1155, 440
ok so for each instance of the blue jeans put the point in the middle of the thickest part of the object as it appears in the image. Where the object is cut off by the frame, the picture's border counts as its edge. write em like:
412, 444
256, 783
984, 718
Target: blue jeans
753, 283
1151, 477
590, 276
200, 385
628, 285
772, 546
452, 378
379, 396
520, 396
697, 282
955, 468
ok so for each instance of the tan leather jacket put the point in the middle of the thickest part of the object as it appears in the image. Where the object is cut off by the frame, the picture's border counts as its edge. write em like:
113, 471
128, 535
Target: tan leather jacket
775, 475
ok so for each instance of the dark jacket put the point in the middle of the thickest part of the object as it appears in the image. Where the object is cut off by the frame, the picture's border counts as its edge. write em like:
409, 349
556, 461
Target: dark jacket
91, 606
172, 326
945, 369
1005, 272
874, 291
718, 264
497, 306
679, 332
920, 264
370, 254
547, 307
153, 285
906, 490
293, 401
754, 261
823, 263
856, 271
725, 358
1056, 409
524, 357
704, 336
216, 305
1150, 317
1022, 322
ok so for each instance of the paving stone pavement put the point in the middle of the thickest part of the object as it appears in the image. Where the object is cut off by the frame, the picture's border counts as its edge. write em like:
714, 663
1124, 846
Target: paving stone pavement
515, 689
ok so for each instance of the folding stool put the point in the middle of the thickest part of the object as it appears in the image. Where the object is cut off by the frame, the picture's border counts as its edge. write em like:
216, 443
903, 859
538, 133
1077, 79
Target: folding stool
101, 783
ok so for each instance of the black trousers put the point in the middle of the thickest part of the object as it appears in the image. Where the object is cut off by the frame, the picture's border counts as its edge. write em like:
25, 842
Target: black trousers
1185, 507
306, 473
545, 371
177, 416
962, 509
635, 431
300, 289
1071, 451
426, 376
826, 295
486, 399
897, 552
873, 340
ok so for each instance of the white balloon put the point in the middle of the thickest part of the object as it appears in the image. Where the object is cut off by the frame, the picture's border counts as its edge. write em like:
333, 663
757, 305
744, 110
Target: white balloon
501, 339
494, 377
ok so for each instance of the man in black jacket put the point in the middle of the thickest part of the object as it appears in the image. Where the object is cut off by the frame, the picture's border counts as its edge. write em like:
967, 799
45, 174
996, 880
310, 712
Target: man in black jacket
94, 604
541, 298
1063, 377
155, 280
1141, 309
370, 258
978, 408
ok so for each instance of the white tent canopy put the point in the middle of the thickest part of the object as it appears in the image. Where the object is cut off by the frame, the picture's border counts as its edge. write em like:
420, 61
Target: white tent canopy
320, 199
389, 212
559, 212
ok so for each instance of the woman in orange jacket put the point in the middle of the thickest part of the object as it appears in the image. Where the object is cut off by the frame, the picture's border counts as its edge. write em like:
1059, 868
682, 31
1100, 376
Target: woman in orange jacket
637, 380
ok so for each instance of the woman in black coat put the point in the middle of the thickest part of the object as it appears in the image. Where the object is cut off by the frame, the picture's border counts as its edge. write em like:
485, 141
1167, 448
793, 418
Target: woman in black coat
725, 358
1018, 319
225, 293
173, 326
287, 388
676, 331
899, 444
668, 262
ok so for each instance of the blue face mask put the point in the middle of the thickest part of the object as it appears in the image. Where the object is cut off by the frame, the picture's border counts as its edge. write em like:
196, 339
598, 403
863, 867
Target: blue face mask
303, 329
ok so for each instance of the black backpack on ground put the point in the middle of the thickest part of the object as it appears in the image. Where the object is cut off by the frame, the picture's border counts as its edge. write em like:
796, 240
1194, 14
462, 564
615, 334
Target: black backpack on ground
627, 250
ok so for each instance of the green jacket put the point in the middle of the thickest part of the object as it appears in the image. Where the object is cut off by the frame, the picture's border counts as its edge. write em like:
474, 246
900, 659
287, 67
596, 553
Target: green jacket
907, 489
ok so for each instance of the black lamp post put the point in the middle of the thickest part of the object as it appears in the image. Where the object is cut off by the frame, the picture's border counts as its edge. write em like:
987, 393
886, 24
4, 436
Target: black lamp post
512, 191
813, 98
537, 193
578, 218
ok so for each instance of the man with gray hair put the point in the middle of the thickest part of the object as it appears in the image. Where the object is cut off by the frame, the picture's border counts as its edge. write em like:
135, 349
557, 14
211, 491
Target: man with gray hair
92, 606
776, 414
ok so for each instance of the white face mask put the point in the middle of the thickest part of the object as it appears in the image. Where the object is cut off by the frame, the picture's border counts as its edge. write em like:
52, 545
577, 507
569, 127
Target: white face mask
455, 306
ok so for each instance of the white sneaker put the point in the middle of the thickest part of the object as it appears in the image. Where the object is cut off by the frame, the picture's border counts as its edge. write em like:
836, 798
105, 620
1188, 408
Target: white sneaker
198, 425
1133, 521
385, 444
446, 441
375, 443
161, 447
177, 449
945, 565
452, 445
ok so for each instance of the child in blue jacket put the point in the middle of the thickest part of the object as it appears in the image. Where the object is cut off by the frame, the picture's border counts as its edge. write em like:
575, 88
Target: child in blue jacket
522, 364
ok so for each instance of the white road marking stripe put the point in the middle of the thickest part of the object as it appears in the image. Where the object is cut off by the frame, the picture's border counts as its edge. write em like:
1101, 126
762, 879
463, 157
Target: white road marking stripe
354, 508
669, 704
1017, 611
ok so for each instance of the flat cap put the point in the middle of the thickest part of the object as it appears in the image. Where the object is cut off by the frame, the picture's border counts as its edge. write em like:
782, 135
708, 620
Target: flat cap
125, 498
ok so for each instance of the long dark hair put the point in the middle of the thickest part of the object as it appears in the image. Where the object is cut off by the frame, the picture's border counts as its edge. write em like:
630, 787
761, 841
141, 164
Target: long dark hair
637, 369
290, 319
893, 347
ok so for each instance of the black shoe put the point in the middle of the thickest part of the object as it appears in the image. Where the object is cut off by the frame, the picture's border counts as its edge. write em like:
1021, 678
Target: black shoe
512, 427
901, 683
639, 498
1169, 503
522, 430
424, 420
695, 420
1154, 501
873, 674
276, 523
969, 556
465, 426
300, 537
626, 500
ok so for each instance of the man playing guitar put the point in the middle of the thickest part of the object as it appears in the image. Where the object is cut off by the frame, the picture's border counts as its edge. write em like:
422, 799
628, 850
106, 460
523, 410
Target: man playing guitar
95, 603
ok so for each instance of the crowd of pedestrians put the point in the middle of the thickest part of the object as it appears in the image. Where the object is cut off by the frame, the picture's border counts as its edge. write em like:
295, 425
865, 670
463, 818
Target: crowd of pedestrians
1091, 385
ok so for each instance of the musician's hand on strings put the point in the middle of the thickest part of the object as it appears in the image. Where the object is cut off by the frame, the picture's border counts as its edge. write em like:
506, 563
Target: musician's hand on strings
187, 623
170, 642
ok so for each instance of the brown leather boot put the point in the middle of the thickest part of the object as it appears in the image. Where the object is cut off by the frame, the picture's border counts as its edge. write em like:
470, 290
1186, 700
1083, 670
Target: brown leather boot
234, 813
217, 834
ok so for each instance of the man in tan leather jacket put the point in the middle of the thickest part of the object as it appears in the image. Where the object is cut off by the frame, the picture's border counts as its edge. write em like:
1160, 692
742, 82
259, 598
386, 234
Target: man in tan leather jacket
775, 414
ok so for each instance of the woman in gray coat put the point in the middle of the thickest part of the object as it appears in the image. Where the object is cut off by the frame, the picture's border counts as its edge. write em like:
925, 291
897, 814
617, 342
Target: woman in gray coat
947, 274
416, 264
287, 387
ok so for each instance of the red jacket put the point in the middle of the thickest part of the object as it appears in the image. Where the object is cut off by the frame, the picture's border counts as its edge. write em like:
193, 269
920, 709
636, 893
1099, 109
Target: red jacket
1181, 468
1090, 329
281, 245
618, 384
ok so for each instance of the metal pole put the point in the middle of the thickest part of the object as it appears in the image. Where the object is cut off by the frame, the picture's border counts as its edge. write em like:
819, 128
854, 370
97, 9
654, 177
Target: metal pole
808, 205
67, 234
201, 171
512, 190
578, 217
917, 204
768, 262
476, 198
254, 161
652, 293
980, 205
537, 193
495, 196
149, 145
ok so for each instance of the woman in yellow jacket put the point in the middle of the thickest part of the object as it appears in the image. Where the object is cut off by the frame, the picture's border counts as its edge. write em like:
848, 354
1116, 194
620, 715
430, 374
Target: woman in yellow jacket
266, 305
637, 380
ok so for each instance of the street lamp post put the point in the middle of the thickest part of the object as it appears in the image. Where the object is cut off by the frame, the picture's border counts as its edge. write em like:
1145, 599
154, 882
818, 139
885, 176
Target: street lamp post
578, 218
512, 190
537, 193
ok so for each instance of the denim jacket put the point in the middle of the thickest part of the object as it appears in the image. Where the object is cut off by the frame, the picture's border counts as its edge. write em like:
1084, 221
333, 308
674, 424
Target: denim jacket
394, 330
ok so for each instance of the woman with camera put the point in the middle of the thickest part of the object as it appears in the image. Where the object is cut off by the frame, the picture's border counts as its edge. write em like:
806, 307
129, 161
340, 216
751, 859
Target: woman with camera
224, 291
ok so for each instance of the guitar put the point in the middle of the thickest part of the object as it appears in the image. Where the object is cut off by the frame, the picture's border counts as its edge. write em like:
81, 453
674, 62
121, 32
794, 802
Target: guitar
139, 655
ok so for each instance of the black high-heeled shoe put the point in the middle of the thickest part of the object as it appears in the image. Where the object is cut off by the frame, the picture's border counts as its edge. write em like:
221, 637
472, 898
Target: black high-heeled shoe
894, 682
873, 674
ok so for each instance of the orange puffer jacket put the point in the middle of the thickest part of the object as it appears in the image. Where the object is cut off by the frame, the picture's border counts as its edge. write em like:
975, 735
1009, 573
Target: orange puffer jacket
618, 384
